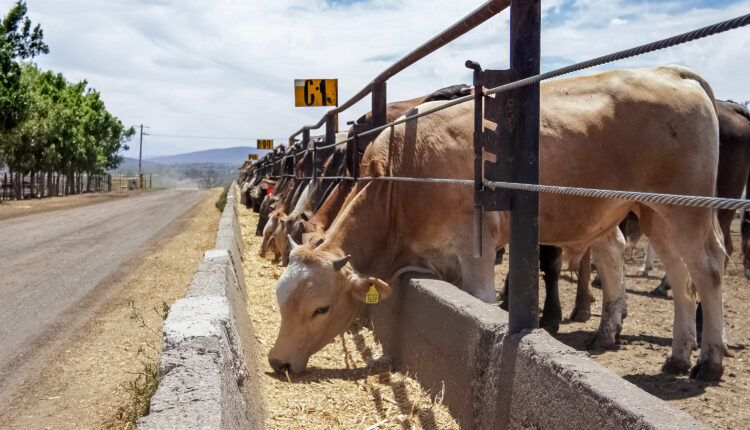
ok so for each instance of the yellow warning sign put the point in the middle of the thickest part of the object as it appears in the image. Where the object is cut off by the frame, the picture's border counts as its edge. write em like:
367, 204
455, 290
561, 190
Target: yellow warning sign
265, 144
252, 156
316, 92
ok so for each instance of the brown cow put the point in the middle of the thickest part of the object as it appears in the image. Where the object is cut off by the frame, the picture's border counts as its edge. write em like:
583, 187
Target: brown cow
652, 130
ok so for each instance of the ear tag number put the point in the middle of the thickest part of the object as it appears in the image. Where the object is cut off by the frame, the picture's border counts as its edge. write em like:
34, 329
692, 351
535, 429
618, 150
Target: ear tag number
372, 295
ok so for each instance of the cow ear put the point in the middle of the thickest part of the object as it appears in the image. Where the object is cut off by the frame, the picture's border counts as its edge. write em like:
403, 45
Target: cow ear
294, 245
368, 289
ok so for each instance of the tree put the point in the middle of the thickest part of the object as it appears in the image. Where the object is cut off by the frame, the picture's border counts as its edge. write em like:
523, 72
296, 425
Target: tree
18, 41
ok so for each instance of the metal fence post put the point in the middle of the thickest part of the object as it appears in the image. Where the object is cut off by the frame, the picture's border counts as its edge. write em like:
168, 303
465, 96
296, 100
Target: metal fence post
305, 143
378, 104
523, 299
330, 140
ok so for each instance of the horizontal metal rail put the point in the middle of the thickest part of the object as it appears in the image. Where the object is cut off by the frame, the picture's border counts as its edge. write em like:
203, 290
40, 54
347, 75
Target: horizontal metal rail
669, 199
710, 30
720, 27
664, 43
637, 196
333, 144
480, 15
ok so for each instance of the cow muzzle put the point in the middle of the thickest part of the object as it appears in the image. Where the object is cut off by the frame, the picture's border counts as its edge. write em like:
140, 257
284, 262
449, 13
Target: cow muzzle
283, 365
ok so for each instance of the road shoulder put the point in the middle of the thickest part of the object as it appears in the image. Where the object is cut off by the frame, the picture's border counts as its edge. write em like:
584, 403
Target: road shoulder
83, 382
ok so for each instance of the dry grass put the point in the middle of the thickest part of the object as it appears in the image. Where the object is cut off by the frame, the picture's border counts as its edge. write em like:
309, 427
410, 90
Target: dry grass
83, 383
349, 384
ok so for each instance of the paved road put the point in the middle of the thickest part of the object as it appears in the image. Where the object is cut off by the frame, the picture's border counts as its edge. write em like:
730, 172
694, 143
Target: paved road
53, 261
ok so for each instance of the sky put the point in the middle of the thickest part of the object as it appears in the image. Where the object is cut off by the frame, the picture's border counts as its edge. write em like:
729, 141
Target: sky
226, 68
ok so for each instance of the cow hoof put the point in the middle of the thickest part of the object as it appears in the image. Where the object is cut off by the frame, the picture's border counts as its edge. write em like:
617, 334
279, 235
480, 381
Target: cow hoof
603, 342
675, 366
710, 372
581, 314
552, 327
660, 291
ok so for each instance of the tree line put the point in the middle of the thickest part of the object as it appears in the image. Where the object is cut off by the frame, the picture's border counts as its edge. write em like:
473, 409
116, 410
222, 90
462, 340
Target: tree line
50, 127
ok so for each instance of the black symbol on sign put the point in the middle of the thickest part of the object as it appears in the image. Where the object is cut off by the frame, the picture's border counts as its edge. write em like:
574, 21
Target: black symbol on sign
309, 98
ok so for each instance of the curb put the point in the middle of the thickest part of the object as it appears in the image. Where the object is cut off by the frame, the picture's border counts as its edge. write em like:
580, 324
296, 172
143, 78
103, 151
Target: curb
210, 378
458, 345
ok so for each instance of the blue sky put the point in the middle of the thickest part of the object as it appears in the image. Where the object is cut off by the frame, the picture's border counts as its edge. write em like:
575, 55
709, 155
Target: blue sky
226, 68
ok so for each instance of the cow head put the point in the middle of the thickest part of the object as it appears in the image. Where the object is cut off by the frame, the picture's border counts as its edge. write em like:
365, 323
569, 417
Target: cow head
746, 242
319, 296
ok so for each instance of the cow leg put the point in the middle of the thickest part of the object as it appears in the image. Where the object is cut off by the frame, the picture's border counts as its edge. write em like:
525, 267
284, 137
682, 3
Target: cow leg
504, 294
683, 329
584, 298
607, 254
648, 260
706, 265
550, 262
661, 290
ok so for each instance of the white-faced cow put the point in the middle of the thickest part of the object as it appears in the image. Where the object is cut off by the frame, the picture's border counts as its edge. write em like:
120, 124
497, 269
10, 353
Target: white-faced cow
651, 130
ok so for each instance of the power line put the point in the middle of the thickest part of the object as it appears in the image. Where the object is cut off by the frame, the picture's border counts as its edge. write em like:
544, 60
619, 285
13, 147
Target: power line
183, 136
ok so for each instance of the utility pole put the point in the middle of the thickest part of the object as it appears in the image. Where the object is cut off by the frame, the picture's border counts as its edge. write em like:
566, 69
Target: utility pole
140, 152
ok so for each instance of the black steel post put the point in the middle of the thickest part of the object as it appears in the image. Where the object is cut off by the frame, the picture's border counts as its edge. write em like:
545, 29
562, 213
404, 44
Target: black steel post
355, 158
523, 300
478, 174
378, 104
305, 143
330, 140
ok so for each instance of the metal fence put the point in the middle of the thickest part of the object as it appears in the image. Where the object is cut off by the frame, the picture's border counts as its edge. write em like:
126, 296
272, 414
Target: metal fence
516, 89
18, 187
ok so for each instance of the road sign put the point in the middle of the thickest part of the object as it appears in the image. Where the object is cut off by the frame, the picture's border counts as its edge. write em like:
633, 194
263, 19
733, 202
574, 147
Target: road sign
253, 156
265, 143
316, 92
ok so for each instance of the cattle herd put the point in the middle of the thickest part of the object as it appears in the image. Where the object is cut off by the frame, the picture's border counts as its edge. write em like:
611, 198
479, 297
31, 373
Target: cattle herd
660, 130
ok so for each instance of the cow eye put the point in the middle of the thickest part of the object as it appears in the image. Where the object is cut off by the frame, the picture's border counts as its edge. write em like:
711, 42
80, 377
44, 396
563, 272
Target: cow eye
321, 311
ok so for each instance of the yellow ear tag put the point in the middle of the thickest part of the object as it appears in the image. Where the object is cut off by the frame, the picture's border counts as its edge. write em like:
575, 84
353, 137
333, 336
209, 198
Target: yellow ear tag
372, 295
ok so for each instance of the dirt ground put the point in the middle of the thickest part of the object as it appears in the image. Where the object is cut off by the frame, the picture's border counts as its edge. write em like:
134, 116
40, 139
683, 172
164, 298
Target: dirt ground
647, 337
348, 384
15, 208
82, 384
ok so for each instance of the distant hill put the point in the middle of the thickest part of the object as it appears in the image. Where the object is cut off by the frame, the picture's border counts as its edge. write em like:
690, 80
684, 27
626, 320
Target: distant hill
204, 169
236, 155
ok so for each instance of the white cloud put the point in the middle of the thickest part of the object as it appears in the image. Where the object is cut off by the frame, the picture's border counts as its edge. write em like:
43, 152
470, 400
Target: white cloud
227, 67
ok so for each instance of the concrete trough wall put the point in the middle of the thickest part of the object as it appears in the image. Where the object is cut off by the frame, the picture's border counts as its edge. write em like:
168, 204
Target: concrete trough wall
456, 344
210, 378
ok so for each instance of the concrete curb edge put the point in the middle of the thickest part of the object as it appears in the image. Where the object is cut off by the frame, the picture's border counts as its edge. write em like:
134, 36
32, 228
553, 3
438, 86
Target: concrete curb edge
210, 376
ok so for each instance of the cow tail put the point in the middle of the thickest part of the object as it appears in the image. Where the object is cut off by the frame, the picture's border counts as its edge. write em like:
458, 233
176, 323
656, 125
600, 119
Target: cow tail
686, 73
718, 235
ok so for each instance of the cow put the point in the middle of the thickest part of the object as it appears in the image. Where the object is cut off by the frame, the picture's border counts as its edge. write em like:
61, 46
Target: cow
302, 222
733, 175
651, 130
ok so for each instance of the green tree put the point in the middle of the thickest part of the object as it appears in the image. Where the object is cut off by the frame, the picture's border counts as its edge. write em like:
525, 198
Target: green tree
18, 41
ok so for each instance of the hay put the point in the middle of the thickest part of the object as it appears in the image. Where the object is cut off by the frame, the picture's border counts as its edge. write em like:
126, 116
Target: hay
348, 384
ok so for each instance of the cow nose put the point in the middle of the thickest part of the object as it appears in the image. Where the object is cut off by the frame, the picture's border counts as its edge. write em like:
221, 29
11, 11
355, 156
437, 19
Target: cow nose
278, 365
